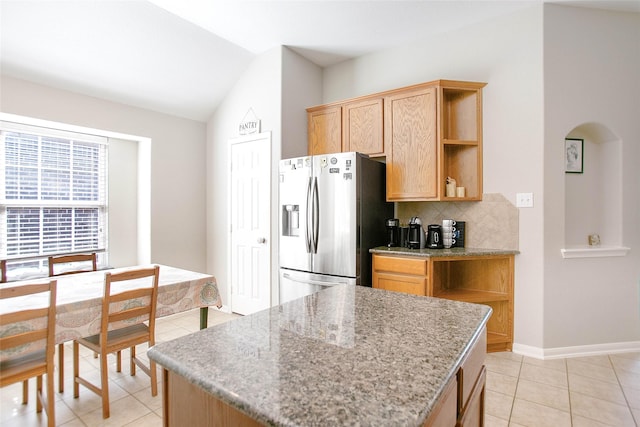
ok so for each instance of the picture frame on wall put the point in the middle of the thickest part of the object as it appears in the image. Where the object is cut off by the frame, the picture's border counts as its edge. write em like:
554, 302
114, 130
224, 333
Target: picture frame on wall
573, 151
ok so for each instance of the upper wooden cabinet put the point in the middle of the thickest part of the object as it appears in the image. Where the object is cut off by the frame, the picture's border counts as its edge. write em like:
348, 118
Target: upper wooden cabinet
460, 137
427, 132
324, 127
362, 128
410, 127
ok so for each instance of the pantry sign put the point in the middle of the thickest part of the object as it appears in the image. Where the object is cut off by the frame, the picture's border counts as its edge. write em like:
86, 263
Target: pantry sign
250, 123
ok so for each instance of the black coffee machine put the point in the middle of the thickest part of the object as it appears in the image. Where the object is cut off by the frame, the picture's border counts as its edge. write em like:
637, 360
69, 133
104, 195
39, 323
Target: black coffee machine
393, 232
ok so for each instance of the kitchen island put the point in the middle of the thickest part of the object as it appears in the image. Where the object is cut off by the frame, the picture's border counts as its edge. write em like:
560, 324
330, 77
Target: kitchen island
348, 355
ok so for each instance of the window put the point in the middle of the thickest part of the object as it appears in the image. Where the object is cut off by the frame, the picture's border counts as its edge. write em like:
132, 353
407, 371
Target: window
53, 197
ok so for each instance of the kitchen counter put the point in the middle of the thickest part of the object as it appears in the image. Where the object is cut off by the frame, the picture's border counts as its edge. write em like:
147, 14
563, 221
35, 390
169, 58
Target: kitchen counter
437, 253
348, 355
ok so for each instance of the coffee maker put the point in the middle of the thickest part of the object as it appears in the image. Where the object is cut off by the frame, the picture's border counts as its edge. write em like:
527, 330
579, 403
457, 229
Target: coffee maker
417, 238
393, 232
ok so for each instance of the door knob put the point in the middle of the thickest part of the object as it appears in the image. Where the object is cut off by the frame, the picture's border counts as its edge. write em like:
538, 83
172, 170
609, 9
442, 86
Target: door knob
261, 240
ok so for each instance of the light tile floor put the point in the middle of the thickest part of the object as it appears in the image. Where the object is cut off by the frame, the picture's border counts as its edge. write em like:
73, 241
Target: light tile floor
576, 392
521, 391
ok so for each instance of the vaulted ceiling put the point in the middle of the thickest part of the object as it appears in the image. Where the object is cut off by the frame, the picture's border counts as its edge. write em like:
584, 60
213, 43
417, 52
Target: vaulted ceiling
181, 57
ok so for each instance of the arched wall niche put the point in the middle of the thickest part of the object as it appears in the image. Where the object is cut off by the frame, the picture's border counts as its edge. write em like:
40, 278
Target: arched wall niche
593, 198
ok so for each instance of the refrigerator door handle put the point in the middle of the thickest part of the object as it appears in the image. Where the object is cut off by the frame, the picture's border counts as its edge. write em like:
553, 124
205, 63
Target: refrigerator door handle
310, 281
309, 218
316, 214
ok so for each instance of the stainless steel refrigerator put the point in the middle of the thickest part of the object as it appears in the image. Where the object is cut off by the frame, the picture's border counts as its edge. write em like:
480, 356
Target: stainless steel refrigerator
332, 211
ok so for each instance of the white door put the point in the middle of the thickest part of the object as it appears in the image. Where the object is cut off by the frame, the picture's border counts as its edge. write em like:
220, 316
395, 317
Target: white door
250, 215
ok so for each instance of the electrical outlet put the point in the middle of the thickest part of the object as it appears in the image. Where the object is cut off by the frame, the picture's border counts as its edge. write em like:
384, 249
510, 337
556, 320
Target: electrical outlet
524, 200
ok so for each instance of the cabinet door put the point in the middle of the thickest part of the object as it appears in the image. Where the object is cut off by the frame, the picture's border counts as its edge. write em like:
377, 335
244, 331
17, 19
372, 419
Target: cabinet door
473, 414
410, 131
362, 130
324, 128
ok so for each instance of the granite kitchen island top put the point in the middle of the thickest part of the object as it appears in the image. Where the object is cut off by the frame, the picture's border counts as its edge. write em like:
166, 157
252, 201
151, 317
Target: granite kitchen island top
348, 355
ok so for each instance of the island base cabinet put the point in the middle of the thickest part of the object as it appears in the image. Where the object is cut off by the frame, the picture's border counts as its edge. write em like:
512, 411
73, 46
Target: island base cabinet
445, 413
473, 414
184, 404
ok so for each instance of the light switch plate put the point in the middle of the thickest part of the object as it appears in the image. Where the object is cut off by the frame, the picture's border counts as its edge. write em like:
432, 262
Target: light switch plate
524, 200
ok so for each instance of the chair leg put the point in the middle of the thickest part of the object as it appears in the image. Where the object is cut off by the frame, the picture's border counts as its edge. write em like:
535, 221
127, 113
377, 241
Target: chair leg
76, 369
118, 361
38, 393
61, 367
49, 402
154, 378
132, 365
104, 381
25, 392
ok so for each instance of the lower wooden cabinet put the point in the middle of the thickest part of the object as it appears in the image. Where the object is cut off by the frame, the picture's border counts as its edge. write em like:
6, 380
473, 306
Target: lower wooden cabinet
472, 414
445, 414
400, 274
483, 279
462, 403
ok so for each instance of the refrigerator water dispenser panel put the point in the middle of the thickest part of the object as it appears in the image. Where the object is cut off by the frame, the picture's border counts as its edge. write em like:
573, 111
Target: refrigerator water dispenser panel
291, 220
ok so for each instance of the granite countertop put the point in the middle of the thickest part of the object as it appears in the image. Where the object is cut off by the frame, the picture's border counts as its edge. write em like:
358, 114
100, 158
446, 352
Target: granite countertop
348, 355
436, 253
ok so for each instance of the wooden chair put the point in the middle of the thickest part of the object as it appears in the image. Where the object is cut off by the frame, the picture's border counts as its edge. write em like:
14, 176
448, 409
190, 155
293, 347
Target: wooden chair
80, 264
72, 259
3, 271
133, 306
39, 360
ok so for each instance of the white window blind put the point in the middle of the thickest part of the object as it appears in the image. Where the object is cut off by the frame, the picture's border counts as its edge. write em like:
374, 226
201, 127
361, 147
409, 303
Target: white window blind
53, 197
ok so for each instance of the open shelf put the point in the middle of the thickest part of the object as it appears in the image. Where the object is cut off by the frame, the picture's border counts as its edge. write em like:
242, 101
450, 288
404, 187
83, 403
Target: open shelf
459, 114
594, 251
471, 295
461, 163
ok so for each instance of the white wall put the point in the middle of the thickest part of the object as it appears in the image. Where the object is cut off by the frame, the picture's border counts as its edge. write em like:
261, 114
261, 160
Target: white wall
592, 64
259, 88
278, 85
177, 165
507, 54
123, 202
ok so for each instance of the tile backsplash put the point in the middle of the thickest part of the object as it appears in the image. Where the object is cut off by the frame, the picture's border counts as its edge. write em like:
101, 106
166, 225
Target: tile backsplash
491, 223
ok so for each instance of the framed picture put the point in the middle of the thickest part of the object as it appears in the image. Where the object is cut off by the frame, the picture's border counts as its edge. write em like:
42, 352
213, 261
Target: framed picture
573, 155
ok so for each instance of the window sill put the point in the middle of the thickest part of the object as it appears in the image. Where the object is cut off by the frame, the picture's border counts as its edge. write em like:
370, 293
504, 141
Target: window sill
594, 251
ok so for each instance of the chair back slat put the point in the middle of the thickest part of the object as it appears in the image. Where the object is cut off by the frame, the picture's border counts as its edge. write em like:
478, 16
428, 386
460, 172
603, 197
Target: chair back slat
23, 315
81, 259
23, 290
21, 339
133, 313
131, 294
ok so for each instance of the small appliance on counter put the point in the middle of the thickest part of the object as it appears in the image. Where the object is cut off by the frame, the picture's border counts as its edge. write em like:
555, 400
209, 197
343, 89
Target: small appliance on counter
459, 234
417, 238
434, 237
393, 232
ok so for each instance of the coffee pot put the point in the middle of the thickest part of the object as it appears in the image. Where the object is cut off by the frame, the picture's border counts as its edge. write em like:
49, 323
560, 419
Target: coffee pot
393, 232
417, 238
434, 237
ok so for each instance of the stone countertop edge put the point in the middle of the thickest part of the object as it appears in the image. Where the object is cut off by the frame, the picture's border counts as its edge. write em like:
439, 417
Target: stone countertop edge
441, 253
318, 359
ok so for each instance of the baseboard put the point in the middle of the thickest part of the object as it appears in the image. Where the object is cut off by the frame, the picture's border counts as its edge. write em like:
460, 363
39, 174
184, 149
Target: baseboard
576, 351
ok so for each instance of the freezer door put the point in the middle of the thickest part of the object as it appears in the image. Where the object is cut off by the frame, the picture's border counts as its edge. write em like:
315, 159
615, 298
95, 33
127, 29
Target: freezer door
294, 191
334, 214
297, 284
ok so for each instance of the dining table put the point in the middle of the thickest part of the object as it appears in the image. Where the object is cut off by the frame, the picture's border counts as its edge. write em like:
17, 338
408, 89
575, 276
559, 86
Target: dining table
79, 300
